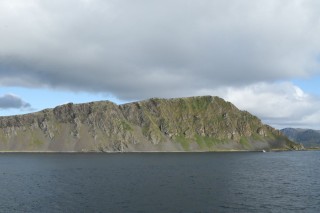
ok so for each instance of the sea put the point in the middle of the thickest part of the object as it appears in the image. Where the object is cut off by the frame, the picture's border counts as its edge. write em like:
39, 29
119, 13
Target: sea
160, 182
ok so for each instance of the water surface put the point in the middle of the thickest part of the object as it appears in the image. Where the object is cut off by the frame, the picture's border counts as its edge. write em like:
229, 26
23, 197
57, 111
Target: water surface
160, 182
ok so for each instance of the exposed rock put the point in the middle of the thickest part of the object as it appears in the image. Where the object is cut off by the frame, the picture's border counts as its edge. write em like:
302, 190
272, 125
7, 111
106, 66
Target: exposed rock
183, 124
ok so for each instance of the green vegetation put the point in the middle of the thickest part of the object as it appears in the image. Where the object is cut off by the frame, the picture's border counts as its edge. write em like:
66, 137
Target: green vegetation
126, 126
256, 137
145, 130
201, 143
244, 142
185, 143
209, 142
36, 142
200, 104
3, 139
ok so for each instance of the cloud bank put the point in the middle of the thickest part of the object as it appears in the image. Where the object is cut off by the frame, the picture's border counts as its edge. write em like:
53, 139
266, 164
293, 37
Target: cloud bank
10, 101
142, 49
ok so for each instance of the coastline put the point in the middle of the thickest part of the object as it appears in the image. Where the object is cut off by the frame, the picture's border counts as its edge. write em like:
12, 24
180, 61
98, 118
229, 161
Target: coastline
143, 152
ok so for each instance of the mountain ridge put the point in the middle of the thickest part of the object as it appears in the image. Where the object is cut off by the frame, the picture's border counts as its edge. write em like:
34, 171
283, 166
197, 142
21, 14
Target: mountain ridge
310, 138
203, 123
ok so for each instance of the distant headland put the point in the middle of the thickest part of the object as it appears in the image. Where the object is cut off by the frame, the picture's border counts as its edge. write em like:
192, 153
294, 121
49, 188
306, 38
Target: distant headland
156, 125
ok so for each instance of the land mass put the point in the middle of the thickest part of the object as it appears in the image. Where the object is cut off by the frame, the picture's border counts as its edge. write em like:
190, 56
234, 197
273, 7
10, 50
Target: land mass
309, 138
162, 125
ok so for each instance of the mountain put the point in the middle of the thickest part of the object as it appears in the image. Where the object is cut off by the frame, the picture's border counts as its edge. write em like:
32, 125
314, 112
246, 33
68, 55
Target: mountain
308, 137
182, 124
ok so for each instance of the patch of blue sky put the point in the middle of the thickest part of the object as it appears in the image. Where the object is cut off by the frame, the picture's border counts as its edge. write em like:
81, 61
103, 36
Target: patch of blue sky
40, 99
309, 85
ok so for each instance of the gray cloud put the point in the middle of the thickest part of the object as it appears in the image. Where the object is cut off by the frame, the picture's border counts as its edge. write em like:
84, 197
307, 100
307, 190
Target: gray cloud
141, 49
10, 101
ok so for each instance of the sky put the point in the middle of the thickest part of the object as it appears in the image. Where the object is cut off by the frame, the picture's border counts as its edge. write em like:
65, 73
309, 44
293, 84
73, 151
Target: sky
263, 56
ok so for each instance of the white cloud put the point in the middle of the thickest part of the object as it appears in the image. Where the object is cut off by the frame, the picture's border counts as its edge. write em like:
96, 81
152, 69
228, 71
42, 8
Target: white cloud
278, 104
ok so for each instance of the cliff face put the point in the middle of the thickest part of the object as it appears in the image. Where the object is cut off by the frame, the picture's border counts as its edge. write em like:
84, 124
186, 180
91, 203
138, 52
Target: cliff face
183, 124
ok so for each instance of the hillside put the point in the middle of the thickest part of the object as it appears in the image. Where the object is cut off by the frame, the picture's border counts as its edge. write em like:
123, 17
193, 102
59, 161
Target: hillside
308, 137
183, 124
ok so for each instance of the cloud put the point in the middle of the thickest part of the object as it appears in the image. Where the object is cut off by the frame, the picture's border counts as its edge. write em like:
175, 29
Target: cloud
245, 51
278, 104
141, 49
10, 101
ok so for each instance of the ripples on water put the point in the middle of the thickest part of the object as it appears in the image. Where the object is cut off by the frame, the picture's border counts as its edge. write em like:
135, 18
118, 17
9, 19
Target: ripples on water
160, 182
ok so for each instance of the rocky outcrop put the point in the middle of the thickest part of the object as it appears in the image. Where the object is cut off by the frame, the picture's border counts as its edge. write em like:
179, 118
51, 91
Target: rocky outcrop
182, 124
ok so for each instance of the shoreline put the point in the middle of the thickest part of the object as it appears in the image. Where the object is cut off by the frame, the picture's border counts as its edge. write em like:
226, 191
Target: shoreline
142, 152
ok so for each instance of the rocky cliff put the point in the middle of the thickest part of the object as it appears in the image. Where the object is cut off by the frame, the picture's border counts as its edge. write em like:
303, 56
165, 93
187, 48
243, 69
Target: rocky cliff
182, 124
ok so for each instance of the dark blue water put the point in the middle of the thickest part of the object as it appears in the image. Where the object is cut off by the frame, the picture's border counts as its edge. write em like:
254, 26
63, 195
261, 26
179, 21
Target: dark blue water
172, 182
